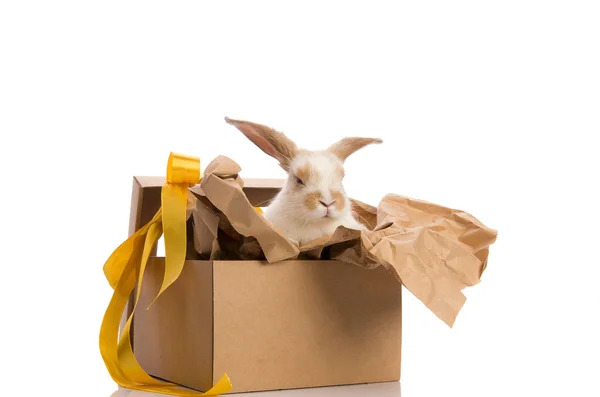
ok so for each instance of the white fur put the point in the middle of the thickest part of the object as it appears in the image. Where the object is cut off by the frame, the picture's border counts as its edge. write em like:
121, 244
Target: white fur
289, 212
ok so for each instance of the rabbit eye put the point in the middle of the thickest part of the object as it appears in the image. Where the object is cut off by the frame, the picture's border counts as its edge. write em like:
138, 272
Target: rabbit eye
299, 181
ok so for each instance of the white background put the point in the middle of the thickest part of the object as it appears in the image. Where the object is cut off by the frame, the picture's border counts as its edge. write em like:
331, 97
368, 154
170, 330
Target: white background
490, 107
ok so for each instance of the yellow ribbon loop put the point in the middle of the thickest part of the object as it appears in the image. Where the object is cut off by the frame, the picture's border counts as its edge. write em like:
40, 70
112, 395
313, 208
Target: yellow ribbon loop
126, 266
183, 169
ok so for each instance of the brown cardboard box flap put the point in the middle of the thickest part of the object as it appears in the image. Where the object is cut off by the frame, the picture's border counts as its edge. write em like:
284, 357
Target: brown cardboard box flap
434, 251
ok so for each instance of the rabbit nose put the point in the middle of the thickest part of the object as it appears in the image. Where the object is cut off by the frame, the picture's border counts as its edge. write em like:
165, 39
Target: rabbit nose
327, 205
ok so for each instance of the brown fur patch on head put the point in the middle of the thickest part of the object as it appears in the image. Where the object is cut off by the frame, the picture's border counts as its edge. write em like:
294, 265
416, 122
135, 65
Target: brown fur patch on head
340, 201
312, 200
339, 171
347, 146
304, 172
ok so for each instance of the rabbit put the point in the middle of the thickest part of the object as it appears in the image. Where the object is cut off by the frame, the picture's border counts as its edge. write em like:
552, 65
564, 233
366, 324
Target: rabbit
312, 203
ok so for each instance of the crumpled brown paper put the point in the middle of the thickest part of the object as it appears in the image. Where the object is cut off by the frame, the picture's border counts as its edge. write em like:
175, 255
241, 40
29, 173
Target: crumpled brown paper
434, 251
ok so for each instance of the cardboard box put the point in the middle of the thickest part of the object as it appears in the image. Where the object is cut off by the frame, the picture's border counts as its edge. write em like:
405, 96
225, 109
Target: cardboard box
295, 320
285, 325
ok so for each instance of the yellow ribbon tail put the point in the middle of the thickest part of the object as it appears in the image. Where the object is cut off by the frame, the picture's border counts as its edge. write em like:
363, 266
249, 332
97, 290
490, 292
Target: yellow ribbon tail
127, 360
182, 172
174, 203
118, 260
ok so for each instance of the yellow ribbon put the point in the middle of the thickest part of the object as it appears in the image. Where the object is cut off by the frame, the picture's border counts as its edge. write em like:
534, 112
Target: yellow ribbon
126, 266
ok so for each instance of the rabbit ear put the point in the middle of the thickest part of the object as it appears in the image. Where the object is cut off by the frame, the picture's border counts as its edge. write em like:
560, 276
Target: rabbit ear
345, 147
273, 143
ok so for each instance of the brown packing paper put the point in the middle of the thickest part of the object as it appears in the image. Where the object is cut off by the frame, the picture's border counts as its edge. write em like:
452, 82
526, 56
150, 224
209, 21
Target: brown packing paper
434, 251
206, 226
224, 190
421, 246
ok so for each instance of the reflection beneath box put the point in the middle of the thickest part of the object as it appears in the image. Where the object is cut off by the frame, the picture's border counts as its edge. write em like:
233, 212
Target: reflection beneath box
388, 389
